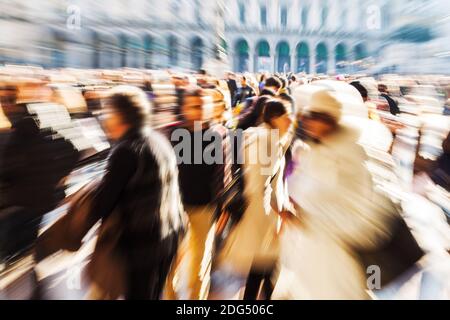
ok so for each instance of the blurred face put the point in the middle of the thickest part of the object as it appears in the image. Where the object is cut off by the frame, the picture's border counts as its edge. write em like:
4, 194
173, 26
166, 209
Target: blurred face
282, 123
11, 110
7, 97
192, 109
185, 82
317, 128
275, 90
243, 82
113, 123
179, 81
382, 89
446, 145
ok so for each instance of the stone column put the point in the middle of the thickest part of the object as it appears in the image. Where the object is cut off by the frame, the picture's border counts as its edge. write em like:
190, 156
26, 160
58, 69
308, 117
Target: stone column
251, 56
331, 58
312, 59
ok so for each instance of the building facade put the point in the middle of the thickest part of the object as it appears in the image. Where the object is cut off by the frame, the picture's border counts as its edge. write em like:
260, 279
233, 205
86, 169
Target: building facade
108, 34
314, 36
418, 39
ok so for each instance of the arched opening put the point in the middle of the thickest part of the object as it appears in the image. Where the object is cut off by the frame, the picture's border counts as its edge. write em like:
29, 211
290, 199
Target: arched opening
302, 57
340, 53
224, 45
58, 55
283, 57
106, 53
360, 52
242, 56
58, 50
262, 61
149, 51
321, 58
197, 53
123, 50
130, 51
173, 51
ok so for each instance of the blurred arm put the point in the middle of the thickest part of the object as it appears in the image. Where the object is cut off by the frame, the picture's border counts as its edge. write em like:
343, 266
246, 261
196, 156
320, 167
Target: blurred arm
121, 167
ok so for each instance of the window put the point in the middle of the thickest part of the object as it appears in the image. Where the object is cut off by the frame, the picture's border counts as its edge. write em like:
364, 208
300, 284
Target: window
362, 15
263, 49
344, 17
283, 17
304, 18
263, 14
173, 51
386, 17
175, 6
324, 17
241, 12
197, 11
149, 47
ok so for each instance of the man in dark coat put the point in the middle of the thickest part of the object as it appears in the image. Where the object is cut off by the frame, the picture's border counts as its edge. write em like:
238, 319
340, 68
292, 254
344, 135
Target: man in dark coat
232, 85
244, 92
139, 203
33, 163
393, 106
285, 94
440, 172
439, 169
251, 116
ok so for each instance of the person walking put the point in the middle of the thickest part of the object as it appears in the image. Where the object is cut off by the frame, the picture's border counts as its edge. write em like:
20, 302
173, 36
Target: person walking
337, 207
244, 92
251, 251
139, 203
34, 162
252, 114
393, 105
201, 180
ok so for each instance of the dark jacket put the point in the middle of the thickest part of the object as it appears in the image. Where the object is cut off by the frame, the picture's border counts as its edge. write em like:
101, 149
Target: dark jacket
285, 96
143, 218
232, 87
242, 94
34, 161
440, 171
393, 107
201, 182
252, 115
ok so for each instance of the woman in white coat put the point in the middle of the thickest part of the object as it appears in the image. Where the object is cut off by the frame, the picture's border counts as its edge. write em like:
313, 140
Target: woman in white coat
338, 210
251, 250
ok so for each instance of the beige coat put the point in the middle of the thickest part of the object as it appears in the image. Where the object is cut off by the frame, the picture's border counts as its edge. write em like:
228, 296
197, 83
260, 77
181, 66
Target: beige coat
254, 239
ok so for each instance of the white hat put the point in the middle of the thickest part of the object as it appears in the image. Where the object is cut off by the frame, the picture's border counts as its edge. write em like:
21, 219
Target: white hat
324, 102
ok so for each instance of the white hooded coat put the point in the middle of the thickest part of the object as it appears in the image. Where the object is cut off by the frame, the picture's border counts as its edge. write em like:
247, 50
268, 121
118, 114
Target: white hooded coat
339, 211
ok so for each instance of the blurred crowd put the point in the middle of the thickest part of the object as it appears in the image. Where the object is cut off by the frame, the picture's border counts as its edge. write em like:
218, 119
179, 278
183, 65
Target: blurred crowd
313, 183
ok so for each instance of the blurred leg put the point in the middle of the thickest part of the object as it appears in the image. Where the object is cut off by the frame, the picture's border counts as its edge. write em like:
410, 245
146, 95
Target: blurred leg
268, 284
253, 285
200, 219
149, 274
96, 293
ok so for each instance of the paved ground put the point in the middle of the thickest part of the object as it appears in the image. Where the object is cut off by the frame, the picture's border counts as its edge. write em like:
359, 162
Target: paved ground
62, 276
